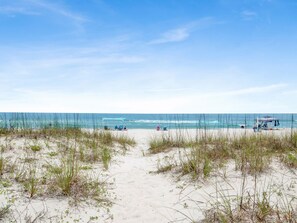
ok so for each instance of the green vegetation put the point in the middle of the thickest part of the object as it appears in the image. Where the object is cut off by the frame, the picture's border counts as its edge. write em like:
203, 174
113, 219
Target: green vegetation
5, 207
252, 206
105, 156
35, 148
124, 141
31, 184
68, 177
290, 159
52, 154
4, 211
166, 142
58, 170
72, 157
252, 153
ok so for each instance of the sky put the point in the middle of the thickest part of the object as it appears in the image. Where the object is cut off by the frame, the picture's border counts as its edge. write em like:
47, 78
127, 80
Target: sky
148, 56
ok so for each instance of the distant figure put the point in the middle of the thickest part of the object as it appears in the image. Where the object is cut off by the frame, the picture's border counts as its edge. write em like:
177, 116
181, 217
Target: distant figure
165, 128
125, 128
158, 128
116, 127
257, 128
11, 127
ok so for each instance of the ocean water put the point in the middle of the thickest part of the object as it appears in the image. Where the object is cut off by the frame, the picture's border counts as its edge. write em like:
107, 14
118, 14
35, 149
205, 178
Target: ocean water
138, 121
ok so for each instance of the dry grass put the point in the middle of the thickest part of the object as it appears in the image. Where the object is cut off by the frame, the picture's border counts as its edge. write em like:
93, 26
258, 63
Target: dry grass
252, 154
165, 143
53, 159
271, 204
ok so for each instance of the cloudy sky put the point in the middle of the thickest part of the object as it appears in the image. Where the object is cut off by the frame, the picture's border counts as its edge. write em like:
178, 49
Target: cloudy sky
148, 56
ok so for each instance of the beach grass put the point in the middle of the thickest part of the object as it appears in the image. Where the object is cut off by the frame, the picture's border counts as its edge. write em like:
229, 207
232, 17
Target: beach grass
166, 142
263, 203
67, 164
251, 154
50, 161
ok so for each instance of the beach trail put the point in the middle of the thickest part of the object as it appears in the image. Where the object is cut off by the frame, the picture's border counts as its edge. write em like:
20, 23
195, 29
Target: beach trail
143, 196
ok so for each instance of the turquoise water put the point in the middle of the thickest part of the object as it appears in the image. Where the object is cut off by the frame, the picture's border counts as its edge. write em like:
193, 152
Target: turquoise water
138, 121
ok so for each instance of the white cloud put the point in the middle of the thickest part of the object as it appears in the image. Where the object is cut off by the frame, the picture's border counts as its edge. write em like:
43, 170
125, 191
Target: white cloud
254, 90
47, 57
290, 93
80, 61
182, 33
164, 90
58, 9
248, 15
134, 101
65, 70
35, 7
175, 35
238, 92
12, 10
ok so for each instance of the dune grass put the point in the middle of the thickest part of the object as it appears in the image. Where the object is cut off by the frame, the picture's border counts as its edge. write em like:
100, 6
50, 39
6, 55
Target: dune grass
165, 143
252, 154
63, 163
4, 210
290, 159
73, 153
124, 141
51, 159
271, 203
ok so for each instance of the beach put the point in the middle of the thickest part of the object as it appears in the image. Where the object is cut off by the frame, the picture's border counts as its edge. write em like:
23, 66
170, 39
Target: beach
134, 188
169, 111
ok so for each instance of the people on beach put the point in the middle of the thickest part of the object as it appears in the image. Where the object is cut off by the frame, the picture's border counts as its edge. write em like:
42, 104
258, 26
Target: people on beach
120, 127
158, 128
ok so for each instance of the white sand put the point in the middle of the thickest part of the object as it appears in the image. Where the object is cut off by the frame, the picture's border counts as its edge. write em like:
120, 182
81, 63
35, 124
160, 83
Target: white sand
142, 196
146, 197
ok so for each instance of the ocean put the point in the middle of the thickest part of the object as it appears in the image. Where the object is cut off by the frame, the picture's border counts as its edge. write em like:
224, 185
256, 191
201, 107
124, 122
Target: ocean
138, 121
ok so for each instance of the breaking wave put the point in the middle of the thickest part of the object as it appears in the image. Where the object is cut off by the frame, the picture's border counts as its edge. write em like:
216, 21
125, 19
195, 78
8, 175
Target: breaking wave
175, 121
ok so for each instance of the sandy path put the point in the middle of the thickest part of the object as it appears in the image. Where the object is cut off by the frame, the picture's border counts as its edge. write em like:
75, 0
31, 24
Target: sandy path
143, 196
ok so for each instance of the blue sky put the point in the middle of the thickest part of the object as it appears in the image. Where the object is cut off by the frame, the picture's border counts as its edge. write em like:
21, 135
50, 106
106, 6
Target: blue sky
148, 56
